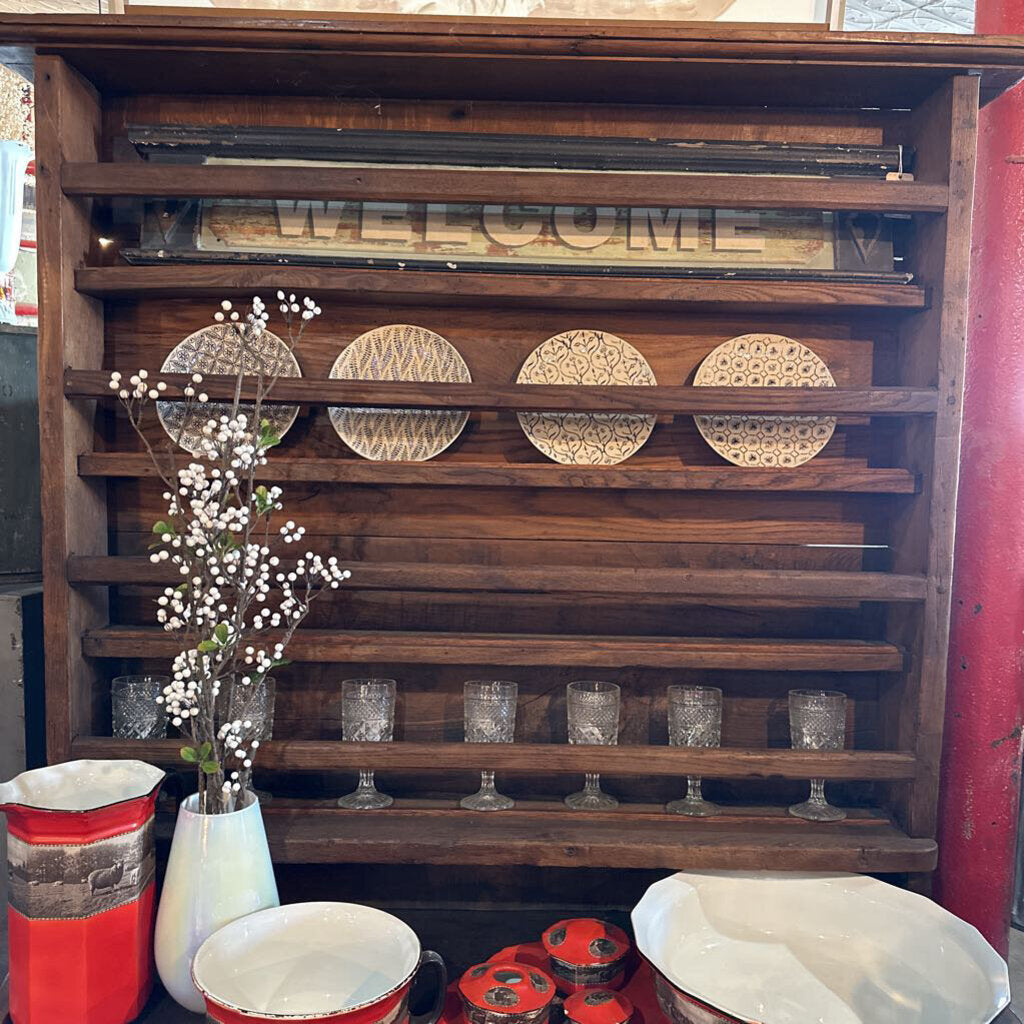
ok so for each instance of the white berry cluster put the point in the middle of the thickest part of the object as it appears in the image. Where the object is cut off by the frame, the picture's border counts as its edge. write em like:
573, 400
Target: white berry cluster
237, 602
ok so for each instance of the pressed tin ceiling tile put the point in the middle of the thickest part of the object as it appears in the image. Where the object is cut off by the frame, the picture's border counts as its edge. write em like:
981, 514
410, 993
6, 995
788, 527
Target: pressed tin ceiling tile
910, 15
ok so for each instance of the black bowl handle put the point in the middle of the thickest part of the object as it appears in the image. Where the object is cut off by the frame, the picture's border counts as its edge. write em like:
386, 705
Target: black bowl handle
430, 958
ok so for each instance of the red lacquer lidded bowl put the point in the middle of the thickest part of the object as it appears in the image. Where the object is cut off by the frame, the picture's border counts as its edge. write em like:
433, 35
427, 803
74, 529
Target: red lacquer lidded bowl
506, 993
586, 953
598, 1006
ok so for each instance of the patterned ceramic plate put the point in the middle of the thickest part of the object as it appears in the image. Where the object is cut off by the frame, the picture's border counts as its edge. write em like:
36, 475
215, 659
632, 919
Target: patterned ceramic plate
217, 349
586, 439
765, 361
399, 352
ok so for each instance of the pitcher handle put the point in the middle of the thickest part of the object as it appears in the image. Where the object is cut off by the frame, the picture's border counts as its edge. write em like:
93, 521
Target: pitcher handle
430, 958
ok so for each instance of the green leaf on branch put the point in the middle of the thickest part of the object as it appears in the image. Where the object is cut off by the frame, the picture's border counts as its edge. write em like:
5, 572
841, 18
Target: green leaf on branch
163, 527
220, 633
189, 754
205, 750
205, 646
268, 438
210, 767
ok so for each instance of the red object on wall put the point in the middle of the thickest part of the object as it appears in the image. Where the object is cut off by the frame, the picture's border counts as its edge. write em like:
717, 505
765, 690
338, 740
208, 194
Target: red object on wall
985, 706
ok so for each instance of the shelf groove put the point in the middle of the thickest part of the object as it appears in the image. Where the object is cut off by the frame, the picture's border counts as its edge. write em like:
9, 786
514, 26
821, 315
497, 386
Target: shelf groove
660, 399
422, 648
487, 185
798, 584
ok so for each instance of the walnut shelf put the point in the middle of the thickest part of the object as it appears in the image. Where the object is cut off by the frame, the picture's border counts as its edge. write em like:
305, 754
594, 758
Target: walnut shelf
643, 761
500, 289
560, 579
338, 646
442, 473
663, 399
485, 185
558, 838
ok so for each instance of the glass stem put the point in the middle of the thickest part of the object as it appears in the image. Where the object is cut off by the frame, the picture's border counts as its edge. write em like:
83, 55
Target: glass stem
592, 782
818, 792
694, 788
487, 782
366, 780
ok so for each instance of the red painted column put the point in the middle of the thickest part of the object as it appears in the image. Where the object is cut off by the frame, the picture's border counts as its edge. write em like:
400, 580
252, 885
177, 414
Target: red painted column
985, 707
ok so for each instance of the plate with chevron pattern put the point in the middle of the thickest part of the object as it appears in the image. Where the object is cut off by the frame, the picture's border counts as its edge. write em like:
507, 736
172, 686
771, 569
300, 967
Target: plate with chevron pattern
218, 349
392, 353
765, 361
586, 439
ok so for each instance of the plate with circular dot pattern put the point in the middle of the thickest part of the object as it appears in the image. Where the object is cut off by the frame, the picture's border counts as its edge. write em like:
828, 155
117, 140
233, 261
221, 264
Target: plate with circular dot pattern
219, 349
765, 361
586, 439
392, 353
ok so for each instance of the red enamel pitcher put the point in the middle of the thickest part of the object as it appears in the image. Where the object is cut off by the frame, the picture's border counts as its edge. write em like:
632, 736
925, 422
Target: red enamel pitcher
81, 901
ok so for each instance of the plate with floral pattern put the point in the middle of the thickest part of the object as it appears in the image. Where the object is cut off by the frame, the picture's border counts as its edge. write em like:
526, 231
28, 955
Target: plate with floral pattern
765, 361
586, 439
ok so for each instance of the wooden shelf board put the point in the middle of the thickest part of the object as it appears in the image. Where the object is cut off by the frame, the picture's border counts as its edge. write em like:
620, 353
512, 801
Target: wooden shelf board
799, 584
563, 838
643, 761
329, 646
548, 59
488, 185
814, 476
448, 288
661, 399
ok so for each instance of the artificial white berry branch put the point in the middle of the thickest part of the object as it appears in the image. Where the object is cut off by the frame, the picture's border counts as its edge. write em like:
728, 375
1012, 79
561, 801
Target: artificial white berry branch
237, 604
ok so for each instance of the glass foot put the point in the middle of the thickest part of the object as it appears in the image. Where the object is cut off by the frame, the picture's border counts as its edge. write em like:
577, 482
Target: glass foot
366, 800
695, 808
810, 810
487, 800
587, 800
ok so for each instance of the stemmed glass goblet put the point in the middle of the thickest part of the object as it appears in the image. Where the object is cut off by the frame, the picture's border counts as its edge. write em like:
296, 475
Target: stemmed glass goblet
817, 721
367, 716
490, 717
694, 720
592, 707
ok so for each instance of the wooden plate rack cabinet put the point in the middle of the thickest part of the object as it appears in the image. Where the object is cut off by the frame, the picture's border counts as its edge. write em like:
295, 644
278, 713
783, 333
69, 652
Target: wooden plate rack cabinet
488, 560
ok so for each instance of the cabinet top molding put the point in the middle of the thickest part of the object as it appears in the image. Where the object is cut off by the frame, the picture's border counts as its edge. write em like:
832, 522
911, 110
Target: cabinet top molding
429, 56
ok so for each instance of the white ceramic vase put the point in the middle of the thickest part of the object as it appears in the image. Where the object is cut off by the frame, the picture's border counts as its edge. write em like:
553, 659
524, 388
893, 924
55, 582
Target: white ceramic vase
219, 869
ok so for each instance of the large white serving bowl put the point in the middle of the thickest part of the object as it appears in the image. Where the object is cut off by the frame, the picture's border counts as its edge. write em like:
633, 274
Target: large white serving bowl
780, 948
307, 961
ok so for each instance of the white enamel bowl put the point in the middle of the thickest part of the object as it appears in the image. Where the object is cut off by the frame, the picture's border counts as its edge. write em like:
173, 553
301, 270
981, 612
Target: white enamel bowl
781, 948
307, 961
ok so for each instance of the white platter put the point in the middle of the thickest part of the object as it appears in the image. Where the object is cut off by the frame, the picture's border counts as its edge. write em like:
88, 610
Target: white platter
785, 948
